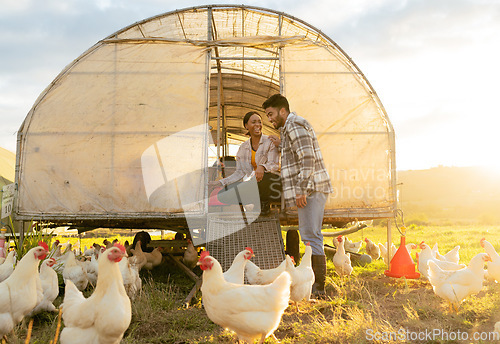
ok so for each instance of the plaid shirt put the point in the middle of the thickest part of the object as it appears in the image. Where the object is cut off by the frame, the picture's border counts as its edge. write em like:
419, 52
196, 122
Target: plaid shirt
303, 170
266, 155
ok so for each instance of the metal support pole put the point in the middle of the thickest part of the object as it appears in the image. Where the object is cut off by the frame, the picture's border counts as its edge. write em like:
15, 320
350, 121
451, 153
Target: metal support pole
389, 240
21, 234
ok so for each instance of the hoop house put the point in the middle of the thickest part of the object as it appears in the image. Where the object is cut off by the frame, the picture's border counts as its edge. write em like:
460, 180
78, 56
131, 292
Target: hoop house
125, 135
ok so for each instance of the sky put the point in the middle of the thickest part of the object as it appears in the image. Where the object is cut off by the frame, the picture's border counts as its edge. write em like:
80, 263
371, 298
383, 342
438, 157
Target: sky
433, 63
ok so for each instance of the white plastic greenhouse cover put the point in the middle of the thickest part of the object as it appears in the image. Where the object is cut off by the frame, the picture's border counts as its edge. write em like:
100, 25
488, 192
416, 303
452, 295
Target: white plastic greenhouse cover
124, 131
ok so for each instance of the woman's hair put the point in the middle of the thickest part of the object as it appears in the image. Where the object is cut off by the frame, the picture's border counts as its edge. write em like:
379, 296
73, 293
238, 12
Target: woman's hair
247, 118
248, 115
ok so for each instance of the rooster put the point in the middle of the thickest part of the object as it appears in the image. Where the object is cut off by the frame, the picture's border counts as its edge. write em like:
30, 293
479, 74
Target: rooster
7, 266
74, 271
302, 277
190, 257
21, 292
372, 249
256, 275
236, 272
105, 315
455, 286
493, 269
50, 287
341, 260
251, 311
426, 255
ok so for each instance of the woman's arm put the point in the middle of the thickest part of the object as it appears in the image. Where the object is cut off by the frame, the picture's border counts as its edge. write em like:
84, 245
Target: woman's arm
271, 162
239, 173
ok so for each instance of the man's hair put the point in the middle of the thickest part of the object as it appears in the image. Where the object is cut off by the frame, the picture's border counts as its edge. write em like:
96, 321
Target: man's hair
276, 101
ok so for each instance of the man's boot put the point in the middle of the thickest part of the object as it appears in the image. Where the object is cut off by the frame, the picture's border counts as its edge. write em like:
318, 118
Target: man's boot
319, 267
293, 245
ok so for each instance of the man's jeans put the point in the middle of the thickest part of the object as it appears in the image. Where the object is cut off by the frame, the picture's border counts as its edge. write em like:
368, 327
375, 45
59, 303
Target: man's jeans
311, 221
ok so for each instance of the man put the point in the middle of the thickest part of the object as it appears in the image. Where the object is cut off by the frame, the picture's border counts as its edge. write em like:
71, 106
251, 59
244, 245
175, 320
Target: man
306, 183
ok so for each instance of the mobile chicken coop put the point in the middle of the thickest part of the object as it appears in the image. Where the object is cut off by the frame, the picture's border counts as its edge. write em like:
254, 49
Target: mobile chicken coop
127, 134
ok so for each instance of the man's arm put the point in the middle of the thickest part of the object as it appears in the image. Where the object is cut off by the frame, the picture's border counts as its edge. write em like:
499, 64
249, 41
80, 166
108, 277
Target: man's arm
301, 143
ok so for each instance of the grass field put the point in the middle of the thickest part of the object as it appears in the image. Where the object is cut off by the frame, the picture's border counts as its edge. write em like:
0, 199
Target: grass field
367, 307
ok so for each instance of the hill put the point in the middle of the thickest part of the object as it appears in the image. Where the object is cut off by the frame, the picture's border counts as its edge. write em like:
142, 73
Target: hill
450, 194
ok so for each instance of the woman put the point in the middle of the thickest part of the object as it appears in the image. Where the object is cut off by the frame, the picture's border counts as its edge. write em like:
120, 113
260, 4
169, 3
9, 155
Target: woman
256, 155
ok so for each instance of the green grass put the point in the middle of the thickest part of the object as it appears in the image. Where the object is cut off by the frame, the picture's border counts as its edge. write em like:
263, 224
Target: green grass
366, 303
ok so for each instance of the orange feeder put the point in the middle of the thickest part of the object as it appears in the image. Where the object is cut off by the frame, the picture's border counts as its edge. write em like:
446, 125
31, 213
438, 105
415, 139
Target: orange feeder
401, 264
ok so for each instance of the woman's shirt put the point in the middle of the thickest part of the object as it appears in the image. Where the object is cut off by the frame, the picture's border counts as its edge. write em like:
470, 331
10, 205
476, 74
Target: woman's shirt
267, 155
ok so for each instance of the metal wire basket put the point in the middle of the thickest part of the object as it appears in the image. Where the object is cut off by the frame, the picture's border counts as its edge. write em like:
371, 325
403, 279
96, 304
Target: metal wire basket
227, 235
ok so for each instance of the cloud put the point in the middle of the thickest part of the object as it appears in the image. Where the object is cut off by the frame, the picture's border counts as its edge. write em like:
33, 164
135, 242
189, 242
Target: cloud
432, 63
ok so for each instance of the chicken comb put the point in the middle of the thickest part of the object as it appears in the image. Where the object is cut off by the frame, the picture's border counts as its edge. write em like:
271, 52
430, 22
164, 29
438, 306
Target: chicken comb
308, 243
249, 249
44, 245
120, 246
204, 254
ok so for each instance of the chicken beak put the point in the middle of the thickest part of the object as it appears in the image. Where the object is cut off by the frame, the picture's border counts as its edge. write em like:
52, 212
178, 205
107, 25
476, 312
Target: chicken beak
488, 258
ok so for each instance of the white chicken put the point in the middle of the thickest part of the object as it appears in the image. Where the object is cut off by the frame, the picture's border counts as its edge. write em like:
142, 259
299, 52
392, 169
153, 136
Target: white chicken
190, 257
302, 277
7, 266
348, 244
74, 271
106, 314
236, 272
251, 311
493, 269
341, 260
497, 329
383, 251
455, 286
372, 249
131, 279
66, 247
154, 258
92, 269
21, 292
256, 275
426, 255
450, 256
88, 251
50, 287
138, 260
4, 251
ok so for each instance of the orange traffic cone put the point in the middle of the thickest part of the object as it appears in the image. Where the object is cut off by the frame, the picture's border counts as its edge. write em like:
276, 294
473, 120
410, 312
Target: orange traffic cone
401, 264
